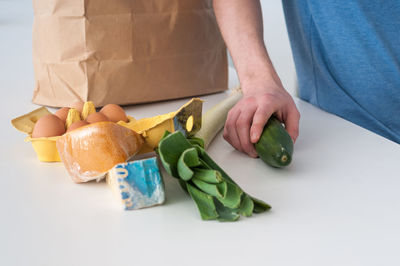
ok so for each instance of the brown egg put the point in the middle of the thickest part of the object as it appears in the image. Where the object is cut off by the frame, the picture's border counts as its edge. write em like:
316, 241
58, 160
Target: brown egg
78, 105
96, 117
77, 124
48, 126
62, 113
114, 113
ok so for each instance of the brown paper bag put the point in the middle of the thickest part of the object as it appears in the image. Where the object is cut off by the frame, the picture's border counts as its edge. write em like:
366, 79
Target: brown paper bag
125, 51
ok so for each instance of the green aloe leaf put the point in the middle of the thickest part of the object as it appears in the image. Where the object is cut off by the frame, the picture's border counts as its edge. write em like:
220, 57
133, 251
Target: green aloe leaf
216, 195
206, 160
208, 175
223, 188
182, 183
196, 141
216, 190
189, 158
204, 203
232, 197
225, 214
246, 206
170, 148
260, 206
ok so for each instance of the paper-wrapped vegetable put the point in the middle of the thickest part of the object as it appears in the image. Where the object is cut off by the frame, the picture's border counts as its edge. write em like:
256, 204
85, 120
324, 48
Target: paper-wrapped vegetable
216, 195
137, 184
90, 151
187, 120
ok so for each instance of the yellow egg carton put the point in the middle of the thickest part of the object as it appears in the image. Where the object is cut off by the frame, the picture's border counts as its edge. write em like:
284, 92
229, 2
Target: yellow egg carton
45, 147
187, 120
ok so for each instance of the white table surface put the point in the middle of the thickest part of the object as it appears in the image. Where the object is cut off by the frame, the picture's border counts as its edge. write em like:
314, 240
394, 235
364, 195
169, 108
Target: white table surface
338, 203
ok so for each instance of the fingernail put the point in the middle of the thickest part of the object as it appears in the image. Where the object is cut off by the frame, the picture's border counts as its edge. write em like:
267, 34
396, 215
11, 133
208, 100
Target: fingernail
253, 137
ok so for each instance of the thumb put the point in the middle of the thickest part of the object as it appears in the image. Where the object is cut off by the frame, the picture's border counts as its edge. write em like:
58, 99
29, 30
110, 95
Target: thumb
292, 123
260, 118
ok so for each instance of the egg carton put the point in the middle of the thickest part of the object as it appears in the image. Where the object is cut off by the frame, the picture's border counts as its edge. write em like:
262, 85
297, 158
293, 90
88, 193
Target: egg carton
186, 119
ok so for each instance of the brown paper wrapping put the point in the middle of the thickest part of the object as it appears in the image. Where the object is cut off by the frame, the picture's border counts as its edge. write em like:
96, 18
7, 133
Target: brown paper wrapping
125, 51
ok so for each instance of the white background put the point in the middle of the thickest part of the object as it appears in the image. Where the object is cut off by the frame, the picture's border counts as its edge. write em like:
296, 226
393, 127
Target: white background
338, 203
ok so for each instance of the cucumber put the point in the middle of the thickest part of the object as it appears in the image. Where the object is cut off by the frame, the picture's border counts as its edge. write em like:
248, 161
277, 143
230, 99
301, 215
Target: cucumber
275, 146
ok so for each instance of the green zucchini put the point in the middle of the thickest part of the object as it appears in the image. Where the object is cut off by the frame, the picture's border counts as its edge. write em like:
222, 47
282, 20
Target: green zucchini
275, 146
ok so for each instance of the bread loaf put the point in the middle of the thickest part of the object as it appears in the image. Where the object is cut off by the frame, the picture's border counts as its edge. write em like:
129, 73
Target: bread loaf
90, 151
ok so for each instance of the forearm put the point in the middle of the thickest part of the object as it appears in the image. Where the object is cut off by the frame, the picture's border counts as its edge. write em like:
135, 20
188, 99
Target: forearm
240, 22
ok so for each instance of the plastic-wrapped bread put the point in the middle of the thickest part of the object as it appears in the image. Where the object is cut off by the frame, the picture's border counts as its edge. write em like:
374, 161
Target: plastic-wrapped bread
90, 151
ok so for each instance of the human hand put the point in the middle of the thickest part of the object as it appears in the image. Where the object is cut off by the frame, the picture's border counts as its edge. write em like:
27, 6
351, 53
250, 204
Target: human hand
241, 25
246, 120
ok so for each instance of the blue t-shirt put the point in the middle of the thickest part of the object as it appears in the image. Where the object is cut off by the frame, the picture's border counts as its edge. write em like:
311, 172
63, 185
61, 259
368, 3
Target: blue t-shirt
347, 57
